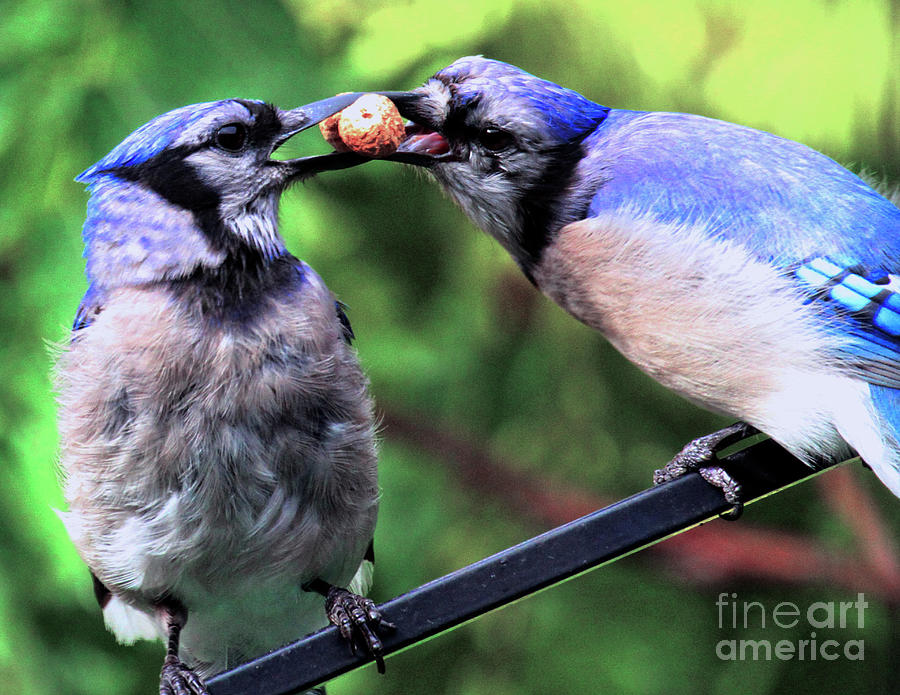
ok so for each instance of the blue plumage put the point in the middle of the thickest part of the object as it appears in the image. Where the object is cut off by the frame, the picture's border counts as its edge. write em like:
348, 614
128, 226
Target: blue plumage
784, 200
566, 113
862, 309
217, 437
886, 401
870, 301
162, 133
748, 272
133, 234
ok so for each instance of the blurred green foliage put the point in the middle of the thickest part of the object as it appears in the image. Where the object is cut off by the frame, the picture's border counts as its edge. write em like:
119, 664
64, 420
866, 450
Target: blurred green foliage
448, 330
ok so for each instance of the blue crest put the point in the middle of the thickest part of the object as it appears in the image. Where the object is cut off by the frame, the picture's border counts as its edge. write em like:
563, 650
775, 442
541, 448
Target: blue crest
153, 137
566, 113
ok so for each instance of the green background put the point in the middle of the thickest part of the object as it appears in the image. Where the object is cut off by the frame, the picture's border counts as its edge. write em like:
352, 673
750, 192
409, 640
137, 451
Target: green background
463, 354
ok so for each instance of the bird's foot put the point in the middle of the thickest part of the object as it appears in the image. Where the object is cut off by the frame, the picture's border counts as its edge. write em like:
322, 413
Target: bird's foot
700, 456
177, 679
358, 619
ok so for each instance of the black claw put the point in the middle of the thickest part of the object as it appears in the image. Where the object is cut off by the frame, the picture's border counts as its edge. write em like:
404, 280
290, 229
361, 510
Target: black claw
347, 611
177, 679
734, 513
720, 478
379, 663
697, 456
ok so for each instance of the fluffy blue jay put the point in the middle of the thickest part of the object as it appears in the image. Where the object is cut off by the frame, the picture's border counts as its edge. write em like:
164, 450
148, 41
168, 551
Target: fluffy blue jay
749, 273
217, 438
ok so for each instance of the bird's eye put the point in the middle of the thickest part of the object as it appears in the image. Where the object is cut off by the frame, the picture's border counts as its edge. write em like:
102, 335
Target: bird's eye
231, 137
494, 139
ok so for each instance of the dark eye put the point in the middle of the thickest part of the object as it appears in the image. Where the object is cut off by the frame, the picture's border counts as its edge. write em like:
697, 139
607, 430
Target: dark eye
231, 137
494, 139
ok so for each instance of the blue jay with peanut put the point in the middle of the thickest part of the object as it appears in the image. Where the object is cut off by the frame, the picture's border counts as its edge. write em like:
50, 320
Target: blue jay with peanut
218, 443
749, 273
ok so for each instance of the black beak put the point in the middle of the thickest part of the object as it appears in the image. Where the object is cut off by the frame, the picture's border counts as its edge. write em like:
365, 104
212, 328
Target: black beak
299, 119
409, 104
303, 117
424, 145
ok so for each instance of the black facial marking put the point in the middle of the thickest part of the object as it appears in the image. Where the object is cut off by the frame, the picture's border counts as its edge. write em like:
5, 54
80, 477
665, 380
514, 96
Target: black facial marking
541, 216
238, 291
178, 182
174, 179
266, 124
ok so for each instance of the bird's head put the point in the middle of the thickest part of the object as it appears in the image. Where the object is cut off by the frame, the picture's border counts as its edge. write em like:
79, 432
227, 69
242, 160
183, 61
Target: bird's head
208, 166
498, 139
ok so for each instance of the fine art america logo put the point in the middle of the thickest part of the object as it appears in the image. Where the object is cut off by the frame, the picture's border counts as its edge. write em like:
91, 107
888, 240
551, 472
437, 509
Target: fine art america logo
821, 621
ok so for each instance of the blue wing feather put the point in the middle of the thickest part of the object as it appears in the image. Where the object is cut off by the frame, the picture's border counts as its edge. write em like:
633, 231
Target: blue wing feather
887, 403
782, 200
91, 305
863, 305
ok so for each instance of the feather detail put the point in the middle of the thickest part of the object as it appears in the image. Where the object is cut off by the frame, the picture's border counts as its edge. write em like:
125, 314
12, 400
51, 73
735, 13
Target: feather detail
867, 311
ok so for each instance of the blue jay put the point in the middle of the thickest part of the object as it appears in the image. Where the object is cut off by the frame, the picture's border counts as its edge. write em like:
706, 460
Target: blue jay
217, 437
749, 273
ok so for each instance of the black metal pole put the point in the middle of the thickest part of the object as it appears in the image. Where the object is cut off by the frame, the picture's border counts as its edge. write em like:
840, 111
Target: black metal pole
552, 557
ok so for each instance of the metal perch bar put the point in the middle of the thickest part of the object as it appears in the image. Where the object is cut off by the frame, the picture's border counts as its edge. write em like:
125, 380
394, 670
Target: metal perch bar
540, 562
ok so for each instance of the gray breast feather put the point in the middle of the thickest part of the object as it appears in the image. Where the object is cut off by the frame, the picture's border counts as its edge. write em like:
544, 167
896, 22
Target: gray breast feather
230, 447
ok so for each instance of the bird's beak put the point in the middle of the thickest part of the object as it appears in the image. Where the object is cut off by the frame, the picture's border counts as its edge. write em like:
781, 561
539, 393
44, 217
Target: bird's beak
299, 119
423, 145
